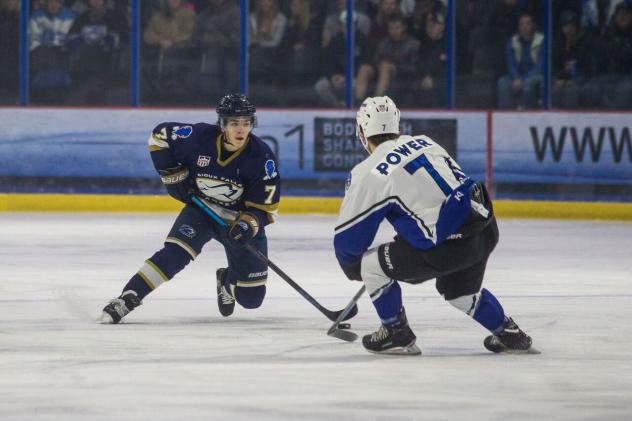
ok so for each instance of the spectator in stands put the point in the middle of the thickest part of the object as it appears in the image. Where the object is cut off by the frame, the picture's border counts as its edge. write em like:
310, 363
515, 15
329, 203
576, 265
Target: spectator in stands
48, 32
570, 62
9, 49
474, 33
333, 26
405, 7
266, 29
508, 12
93, 42
169, 51
421, 11
330, 89
597, 15
379, 23
217, 32
523, 55
396, 60
432, 64
172, 26
613, 88
479, 54
79, 7
302, 51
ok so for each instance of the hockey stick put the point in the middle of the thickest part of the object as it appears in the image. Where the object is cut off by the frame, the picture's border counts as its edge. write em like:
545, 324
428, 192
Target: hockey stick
331, 315
335, 329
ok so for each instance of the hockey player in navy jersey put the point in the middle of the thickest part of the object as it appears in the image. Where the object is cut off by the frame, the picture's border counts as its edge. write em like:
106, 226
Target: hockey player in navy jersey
445, 227
235, 172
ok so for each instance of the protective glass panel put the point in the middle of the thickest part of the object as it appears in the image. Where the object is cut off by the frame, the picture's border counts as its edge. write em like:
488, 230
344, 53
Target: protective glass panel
410, 60
79, 52
285, 74
189, 51
592, 55
9, 51
499, 54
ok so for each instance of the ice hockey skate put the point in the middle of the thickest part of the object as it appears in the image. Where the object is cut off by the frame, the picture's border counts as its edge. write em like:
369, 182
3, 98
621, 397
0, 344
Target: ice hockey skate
398, 339
511, 340
225, 300
119, 307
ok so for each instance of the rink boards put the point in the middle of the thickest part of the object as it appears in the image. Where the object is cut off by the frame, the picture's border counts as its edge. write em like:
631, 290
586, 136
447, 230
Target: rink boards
540, 164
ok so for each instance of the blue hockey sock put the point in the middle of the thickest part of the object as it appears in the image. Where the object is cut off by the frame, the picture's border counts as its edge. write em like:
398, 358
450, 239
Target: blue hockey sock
389, 304
489, 312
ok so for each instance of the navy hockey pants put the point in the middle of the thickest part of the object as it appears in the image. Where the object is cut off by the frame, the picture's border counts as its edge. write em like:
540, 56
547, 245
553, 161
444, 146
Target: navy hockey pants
192, 230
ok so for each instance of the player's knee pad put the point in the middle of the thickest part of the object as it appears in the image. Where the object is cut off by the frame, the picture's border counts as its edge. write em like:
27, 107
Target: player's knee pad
466, 303
250, 297
164, 265
372, 274
482, 307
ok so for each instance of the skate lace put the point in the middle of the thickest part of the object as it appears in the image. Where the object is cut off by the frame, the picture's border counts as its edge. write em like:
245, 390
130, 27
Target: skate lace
119, 306
381, 334
225, 296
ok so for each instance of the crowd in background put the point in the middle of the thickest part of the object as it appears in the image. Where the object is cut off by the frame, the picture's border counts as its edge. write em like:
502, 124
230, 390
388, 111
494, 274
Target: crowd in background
79, 52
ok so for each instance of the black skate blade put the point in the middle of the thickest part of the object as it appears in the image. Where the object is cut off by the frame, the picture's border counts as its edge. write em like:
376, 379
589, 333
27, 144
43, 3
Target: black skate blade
532, 351
345, 335
400, 350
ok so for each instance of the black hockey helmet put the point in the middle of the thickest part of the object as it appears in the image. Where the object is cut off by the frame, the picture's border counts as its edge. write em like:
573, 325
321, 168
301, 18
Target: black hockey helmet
235, 105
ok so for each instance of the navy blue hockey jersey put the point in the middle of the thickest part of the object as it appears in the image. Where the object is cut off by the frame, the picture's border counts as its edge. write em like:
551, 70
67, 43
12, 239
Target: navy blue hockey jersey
243, 180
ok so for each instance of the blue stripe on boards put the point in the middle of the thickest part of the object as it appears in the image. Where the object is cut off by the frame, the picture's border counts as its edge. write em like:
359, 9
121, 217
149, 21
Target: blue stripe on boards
422, 161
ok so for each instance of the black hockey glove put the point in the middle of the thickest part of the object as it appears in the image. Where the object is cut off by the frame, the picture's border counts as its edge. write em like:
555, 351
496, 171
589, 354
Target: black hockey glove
178, 183
243, 229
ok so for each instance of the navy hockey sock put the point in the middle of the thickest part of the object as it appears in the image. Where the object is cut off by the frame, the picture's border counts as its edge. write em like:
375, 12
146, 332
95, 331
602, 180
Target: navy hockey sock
389, 303
250, 297
159, 268
139, 286
489, 312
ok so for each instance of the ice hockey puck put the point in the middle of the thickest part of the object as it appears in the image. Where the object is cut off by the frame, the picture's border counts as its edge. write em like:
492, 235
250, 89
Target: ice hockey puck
344, 326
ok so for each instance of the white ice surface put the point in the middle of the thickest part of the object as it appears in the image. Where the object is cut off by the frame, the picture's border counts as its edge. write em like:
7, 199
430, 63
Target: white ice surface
568, 284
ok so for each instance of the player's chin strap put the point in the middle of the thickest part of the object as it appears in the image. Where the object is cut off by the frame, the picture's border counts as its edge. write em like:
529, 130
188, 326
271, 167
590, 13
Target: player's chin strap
331, 315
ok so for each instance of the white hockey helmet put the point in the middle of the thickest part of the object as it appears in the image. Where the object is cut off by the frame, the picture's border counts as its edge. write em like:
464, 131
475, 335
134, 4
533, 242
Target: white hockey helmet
377, 115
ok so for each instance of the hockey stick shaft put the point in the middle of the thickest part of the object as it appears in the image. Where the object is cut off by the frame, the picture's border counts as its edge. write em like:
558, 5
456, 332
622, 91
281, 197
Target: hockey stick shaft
331, 315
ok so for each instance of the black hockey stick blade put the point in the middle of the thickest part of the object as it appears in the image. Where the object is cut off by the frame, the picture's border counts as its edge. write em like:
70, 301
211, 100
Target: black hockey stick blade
352, 307
335, 315
345, 335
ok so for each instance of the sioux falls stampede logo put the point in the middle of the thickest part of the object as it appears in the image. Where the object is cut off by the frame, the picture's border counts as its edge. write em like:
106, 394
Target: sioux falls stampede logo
220, 191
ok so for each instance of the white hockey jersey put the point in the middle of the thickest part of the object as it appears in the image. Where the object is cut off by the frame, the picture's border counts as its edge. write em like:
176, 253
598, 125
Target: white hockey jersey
414, 184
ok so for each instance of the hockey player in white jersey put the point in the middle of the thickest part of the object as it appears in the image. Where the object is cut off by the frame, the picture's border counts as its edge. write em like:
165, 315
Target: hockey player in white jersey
445, 227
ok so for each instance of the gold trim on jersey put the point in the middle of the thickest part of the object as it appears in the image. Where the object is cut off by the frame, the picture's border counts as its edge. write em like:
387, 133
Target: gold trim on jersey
156, 144
272, 211
235, 154
182, 244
